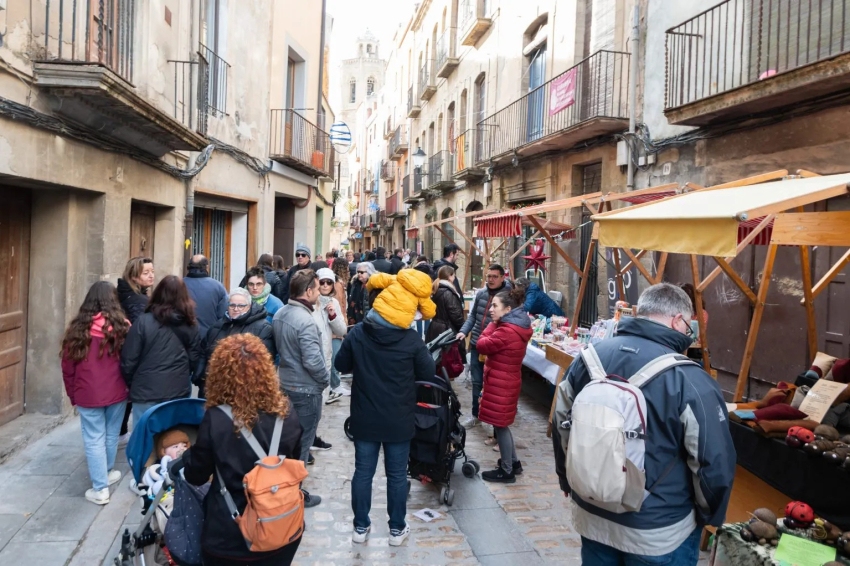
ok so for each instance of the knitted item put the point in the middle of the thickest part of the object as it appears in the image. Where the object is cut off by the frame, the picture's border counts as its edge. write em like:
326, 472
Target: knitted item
170, 438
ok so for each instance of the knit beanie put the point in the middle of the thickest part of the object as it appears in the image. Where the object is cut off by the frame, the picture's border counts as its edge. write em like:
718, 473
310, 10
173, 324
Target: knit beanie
303, 248
170, 438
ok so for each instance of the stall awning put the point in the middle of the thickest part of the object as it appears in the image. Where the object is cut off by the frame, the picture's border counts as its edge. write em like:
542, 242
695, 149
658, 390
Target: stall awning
510, 222
708, 222
413, 232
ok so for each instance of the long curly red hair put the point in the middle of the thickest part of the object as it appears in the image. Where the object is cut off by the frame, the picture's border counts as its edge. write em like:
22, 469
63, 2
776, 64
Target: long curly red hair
241, 374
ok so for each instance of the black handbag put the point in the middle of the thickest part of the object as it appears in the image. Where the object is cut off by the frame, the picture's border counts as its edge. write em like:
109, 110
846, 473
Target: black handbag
183, 530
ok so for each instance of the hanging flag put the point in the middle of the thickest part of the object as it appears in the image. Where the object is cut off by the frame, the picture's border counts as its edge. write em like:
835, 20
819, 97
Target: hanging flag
562, 92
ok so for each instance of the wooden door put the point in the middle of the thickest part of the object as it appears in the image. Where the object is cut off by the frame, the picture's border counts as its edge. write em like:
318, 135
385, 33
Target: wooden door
142, 230
14, 271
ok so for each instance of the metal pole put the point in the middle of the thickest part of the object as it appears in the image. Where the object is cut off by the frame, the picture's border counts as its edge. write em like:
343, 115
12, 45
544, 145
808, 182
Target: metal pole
633, 73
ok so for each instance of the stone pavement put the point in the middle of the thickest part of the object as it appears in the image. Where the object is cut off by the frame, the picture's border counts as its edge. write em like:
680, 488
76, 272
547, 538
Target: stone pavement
45, 520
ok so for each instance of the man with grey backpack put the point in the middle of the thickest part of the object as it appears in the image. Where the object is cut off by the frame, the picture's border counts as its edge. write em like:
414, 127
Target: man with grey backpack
641, 440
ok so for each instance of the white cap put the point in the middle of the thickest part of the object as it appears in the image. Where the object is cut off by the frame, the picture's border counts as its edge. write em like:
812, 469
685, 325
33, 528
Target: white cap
326, 273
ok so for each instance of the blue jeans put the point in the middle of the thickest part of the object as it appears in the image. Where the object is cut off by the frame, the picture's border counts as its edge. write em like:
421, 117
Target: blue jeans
395, 466
476, 373
101, 426
140, 409
337, 344
597, 554
308, 407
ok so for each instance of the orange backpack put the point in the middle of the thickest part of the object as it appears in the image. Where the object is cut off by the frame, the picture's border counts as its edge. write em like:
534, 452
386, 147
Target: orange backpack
274, 514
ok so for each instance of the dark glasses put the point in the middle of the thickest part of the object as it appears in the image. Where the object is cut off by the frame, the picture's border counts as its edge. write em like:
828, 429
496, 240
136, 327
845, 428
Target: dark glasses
326, 282
301, 255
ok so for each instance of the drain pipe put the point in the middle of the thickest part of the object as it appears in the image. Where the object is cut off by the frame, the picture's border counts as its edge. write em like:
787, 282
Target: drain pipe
189, 218
633, 73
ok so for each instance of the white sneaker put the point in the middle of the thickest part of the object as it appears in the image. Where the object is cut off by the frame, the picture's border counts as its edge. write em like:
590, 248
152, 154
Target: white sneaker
333, 397
471, 422
98, 496
124, 439
134, 487
114, 477
360, 535
398, 537
343, 390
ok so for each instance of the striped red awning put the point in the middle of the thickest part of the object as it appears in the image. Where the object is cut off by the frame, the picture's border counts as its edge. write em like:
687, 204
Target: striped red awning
640, 199
746, 227
507, 224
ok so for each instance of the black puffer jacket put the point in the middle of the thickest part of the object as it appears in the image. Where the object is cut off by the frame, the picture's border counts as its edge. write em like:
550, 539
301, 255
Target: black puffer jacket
449, 313
435, 272
132, 302
386, 363
218, 445
253, 322
158, 360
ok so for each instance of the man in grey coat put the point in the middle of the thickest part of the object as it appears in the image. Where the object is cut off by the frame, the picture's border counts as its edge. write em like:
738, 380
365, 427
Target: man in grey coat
303, 373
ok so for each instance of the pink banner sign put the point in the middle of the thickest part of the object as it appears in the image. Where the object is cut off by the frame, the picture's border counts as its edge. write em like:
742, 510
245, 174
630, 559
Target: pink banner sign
562, 92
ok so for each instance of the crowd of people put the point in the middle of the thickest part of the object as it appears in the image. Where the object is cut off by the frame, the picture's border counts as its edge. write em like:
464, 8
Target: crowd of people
279, 347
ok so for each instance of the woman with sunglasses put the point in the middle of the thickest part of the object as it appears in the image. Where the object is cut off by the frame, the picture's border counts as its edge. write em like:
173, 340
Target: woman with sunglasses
331, 322
243, 316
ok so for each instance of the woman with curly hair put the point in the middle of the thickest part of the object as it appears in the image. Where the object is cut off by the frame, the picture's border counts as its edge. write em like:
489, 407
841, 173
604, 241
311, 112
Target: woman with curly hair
163, 348
91, 368
241, 374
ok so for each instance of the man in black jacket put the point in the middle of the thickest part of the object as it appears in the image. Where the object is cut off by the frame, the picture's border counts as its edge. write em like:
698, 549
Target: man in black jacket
383, 404
381, 263
450, 252
302, 261
396, 261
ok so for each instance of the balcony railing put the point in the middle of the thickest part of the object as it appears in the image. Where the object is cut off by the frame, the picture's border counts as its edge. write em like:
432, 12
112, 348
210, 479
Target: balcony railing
596, 88
398, 143
446, 54
411, 187
740, 42
392, 207
190, 96
463, 160
214, 74
299, 143
387, 170
426, 83
382, 218
439, 171
92, 32
413, 107
355, 221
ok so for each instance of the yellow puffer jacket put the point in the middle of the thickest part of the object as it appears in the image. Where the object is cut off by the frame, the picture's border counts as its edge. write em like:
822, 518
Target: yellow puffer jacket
402, 296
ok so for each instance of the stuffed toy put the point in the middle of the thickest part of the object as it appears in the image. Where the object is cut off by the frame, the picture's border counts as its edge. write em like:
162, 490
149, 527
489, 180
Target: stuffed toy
798, 515
818, 447
843, 544
827, 432
798, 436
155, 476
837, 455
825, 532
761, 528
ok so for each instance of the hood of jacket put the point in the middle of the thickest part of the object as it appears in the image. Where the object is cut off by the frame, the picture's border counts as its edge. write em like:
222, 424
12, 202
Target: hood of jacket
383, 335
415, 282
97, 323
657, 332
517, 317
257, 312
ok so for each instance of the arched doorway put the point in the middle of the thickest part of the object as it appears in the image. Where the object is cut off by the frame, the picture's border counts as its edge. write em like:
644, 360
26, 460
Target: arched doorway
476, 260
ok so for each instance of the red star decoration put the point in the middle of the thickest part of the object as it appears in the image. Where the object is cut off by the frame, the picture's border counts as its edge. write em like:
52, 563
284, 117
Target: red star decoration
536, 258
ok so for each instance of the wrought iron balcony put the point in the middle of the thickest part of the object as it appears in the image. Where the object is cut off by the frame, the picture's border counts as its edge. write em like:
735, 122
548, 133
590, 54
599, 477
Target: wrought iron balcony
463, 164
375, 220
356, 221
447, 60
427, 88
214, 71
382, 219
474, 18
413, 108
398, 145
746, 56
393, 206
586, 101
412, 188
300, 144
387, 170
85, 61
439, 171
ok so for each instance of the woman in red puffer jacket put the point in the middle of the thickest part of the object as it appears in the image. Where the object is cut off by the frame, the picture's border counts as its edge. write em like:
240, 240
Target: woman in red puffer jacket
504, 342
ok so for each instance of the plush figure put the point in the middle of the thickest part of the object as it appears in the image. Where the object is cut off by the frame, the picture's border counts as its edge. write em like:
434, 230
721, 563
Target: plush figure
825, 532
818, 447
827, 432
843, 544
761, 528
172, 443
837, 455
155, 476
798, 515
798, 436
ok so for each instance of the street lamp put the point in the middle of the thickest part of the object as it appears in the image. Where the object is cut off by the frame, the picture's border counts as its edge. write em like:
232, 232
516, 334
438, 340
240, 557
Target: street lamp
418, 158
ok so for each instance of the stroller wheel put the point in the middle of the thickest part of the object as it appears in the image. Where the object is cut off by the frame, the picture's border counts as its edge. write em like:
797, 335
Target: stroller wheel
347, 427
449, 497
468, 469
477, 466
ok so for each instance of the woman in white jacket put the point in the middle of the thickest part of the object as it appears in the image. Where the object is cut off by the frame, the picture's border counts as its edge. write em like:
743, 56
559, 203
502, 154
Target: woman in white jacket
331, 320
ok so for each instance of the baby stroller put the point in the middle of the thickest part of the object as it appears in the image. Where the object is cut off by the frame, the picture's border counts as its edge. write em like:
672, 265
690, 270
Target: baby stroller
439, 439
143, 547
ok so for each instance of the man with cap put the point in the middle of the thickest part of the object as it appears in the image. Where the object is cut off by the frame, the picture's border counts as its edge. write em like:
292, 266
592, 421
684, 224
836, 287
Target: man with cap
302, 261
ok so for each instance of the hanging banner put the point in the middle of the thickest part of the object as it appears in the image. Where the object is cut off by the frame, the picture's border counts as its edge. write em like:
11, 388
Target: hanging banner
562, 92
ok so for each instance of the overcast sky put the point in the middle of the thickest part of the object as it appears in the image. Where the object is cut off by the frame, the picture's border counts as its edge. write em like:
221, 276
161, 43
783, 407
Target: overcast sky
351, 19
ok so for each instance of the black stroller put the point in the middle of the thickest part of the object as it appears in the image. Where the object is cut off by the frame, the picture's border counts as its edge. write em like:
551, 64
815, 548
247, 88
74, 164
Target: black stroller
440, 438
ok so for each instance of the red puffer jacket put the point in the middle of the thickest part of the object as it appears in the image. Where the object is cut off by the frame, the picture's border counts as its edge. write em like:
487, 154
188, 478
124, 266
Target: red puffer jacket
504, 343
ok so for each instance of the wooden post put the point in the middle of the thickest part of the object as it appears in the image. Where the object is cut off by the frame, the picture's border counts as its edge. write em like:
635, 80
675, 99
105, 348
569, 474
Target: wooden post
635, 260
734, 277
752, 336
659, 271
621, 288
809, 301
487, 252
566, 257
525, 245
582, 288
703, 335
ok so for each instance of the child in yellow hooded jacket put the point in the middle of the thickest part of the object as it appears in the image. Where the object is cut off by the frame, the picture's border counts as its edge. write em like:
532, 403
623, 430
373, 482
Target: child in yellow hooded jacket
402, 296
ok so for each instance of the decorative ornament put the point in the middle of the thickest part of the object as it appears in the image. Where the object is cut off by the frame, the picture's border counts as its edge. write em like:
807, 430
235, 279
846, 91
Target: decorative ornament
536, 258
